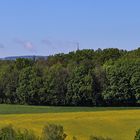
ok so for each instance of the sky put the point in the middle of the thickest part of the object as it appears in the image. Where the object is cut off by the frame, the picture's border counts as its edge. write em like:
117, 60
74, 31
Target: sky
46, 27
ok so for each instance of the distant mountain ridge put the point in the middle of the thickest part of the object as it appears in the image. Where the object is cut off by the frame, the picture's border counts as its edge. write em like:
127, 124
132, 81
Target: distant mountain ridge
25, 57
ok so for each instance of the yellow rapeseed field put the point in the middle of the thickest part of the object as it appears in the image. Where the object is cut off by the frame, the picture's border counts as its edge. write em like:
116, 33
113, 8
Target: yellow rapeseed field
119, 125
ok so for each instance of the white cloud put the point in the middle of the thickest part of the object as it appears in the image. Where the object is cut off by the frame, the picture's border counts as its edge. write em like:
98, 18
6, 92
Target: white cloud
26, 44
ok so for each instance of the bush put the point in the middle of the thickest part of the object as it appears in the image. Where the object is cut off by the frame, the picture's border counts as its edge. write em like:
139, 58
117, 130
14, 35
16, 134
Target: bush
74, 138
26, 135
53, 132
50, 132
7, 133
99, 138
137, 136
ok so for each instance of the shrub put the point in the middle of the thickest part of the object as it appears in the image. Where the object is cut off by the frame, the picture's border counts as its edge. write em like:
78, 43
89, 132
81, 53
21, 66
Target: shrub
7, 133
137, 136
53, 132
25, 135
98, 138
74, 138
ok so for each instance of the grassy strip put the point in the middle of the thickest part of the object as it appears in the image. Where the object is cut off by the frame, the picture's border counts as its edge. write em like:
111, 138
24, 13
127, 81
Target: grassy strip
25, 109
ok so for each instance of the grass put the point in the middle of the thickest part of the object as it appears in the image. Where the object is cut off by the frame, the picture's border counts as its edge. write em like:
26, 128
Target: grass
25, 109
117, 123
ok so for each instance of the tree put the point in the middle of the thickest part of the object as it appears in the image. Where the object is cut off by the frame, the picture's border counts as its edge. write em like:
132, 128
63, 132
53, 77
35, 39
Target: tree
8, 84
55, 85
135, 83
21, 63
30, 83
84, 77
80, 87
122, 83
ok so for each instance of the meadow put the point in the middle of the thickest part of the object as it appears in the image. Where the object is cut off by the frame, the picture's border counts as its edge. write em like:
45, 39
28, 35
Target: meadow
117, 123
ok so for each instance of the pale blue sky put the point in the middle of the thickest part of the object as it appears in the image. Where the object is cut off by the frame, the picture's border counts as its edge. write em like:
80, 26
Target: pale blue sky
43, 27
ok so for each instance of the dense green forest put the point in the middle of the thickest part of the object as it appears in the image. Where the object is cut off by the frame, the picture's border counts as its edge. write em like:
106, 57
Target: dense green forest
108, 77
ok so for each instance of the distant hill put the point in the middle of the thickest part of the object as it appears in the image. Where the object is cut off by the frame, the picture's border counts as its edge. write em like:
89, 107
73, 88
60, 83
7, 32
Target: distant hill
26, 57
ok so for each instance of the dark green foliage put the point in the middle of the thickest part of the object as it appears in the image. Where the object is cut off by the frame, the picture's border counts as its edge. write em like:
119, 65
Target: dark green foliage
55, 85
80, 87
53, 132
25, 135
29, 86
50, 132
123, 83
21, 63
74, 138
98, 138
7, 133
109, 77
137, 136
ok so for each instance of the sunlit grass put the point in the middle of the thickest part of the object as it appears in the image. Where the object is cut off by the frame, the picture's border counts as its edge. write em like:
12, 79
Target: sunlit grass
119, 124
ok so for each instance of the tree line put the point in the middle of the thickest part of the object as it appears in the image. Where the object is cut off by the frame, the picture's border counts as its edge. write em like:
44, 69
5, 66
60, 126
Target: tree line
108, 77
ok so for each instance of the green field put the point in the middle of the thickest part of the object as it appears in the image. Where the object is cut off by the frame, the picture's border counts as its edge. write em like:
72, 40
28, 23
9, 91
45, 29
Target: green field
26, 109
117, 123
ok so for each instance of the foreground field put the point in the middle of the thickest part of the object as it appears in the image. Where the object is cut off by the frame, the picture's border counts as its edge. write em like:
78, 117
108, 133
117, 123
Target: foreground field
117, 124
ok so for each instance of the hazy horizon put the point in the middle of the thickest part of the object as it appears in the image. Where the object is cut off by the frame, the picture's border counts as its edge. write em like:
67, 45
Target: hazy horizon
46, 27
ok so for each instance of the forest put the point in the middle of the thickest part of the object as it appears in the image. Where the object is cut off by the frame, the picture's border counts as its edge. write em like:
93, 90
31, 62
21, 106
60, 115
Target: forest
102, 77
